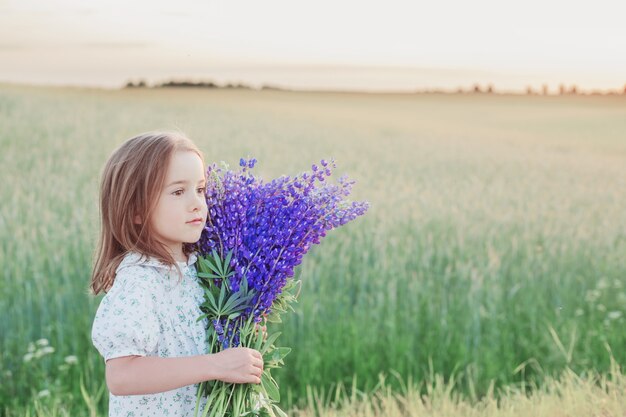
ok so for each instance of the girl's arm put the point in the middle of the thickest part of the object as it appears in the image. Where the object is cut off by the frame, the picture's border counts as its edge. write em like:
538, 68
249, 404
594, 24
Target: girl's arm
136, 375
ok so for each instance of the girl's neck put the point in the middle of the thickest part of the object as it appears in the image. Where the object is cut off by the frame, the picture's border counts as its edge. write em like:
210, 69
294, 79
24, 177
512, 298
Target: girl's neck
178, 254
181, 257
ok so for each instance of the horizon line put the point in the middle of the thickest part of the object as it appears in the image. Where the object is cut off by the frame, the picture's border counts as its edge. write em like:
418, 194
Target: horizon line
475, 88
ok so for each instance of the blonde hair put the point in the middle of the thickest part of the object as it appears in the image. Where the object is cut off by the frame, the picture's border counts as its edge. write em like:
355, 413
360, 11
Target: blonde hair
131, 182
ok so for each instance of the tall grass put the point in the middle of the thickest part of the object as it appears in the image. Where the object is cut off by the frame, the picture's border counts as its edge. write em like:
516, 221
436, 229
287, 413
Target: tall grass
493, 250
590, 394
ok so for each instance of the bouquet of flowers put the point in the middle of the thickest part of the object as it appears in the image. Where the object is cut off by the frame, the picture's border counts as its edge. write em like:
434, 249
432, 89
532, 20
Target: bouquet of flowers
256, 234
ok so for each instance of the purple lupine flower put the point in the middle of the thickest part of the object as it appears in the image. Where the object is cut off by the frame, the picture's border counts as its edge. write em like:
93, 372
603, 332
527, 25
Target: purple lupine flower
269, 226
218, 327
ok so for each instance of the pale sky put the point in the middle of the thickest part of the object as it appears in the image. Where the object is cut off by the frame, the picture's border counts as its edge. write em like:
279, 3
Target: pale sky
353, 44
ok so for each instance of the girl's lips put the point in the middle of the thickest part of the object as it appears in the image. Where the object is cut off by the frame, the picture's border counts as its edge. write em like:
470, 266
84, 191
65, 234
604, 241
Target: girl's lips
195, 222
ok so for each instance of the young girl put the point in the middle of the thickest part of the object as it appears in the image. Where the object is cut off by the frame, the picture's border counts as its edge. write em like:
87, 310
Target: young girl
152, 203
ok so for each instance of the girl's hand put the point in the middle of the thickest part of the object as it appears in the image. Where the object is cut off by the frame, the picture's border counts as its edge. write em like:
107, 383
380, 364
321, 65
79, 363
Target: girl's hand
239, 365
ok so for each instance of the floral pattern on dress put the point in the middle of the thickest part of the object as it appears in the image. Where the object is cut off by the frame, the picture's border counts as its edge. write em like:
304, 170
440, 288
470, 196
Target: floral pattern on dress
150, 311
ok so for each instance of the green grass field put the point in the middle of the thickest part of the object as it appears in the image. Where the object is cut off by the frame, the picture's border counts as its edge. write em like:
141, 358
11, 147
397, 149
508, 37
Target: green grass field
494, 249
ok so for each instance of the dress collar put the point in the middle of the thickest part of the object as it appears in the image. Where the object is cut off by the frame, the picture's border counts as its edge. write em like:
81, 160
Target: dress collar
136, 258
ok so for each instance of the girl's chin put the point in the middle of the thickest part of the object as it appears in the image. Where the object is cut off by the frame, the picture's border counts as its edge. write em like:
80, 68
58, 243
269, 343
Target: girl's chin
194, 240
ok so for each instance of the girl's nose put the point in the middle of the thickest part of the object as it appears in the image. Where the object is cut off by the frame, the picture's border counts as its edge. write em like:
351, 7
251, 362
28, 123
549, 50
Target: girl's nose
198, 202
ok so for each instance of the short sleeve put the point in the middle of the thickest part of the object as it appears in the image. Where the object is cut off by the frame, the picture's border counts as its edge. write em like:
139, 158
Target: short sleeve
126, 322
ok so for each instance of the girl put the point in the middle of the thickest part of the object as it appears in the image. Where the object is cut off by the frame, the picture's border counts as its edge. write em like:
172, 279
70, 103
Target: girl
152, 203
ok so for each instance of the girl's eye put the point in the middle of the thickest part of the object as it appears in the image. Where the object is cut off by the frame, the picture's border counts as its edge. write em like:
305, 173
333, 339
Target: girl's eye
201, 189
178, 192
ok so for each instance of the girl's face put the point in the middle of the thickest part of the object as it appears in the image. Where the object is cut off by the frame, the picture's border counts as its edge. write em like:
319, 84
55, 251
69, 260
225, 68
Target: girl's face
181, 211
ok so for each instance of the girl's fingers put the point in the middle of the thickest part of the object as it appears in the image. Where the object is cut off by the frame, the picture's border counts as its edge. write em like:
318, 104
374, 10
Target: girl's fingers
256, 373
258, 364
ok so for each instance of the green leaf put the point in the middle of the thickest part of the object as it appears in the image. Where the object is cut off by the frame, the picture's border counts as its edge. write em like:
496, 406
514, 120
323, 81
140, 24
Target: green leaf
220, 301
213, 268
279, 353
209, 333
227, 260
274, 357
258, 341
208, 295
207, 275
270, 386
236, 302
202, 317
257, 387
234, 299
203, 263
218, 262
269, 341
209, 403
274, 318
280, 412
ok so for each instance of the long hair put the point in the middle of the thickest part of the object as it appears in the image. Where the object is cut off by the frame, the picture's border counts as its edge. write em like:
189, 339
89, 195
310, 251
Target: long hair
131, 182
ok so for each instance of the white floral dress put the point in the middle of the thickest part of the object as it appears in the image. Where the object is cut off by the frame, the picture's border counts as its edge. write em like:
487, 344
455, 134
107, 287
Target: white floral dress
148, 312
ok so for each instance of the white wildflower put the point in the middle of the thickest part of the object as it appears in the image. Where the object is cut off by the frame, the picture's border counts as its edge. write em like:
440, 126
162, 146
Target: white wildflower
28, 357
44, 393
42, 342
71, 360
47, 350
614, 315
44, 351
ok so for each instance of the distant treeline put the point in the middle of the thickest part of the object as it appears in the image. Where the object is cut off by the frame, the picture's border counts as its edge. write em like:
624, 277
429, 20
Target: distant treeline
200, 84
475, 89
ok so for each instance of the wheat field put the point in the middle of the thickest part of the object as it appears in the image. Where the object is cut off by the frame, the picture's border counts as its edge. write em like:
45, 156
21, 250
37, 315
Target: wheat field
490, 269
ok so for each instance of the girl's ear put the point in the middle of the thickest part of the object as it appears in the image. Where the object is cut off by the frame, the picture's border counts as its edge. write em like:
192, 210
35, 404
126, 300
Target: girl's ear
137, 219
